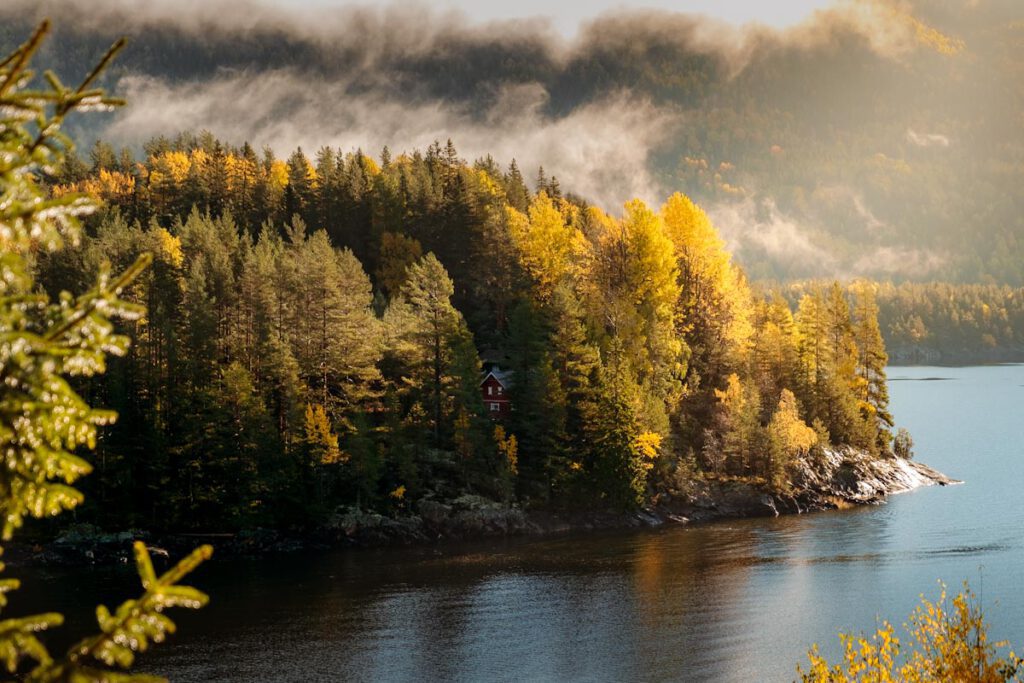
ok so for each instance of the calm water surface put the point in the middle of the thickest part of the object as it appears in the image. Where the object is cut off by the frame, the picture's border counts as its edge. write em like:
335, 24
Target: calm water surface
735, 601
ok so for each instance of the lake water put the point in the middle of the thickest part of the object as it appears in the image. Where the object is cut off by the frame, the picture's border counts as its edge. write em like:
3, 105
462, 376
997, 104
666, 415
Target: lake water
731, 601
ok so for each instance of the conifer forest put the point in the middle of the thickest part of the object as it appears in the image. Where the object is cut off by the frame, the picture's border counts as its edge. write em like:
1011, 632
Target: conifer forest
316, 331
478, 343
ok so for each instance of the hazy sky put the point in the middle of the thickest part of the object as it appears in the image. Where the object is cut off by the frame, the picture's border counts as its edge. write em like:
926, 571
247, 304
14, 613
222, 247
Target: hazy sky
567, 14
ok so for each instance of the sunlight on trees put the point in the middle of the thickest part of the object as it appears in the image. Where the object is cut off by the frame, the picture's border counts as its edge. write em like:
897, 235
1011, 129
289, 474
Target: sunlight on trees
43, 344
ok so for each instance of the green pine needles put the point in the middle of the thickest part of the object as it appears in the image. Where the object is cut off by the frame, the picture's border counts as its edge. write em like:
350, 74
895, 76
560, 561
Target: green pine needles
43, 345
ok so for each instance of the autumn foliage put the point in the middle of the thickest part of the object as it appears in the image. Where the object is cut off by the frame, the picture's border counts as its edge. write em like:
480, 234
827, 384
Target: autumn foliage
947, 640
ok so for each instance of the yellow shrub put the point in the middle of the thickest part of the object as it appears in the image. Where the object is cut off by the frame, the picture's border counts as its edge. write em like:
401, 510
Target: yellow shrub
948, 641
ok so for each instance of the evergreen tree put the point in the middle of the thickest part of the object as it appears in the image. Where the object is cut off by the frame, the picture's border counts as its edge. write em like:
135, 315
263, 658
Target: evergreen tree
515, 188
44, 344
620, 453
444, 366
871, 362
538, 422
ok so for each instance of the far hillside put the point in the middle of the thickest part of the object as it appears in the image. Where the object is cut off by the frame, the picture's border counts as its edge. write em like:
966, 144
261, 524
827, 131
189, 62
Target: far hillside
879, 139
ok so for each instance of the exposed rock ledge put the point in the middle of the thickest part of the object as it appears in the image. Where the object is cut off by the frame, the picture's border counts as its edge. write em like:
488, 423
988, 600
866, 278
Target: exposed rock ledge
840, 478
853, 476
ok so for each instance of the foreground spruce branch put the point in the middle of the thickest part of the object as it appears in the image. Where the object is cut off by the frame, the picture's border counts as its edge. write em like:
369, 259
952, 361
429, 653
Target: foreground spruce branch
43, 421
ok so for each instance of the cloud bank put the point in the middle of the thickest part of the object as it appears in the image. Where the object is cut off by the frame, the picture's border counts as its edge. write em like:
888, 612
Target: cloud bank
599, 150
756, 230
608, 112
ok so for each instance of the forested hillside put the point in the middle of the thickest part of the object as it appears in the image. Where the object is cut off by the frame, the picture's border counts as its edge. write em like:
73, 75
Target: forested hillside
316, 332
878, 139
940, 322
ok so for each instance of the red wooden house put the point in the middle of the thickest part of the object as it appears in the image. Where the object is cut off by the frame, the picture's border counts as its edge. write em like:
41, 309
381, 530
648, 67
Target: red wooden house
494, 387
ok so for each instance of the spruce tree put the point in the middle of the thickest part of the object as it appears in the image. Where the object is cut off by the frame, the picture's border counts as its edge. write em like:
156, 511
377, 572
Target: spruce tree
43, 345
871, 362
515, 188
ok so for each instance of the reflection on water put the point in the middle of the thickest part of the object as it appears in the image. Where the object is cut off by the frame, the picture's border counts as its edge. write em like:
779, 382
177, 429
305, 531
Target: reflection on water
735, 601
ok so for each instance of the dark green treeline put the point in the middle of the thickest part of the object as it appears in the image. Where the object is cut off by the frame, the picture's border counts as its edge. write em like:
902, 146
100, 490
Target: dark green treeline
316, 329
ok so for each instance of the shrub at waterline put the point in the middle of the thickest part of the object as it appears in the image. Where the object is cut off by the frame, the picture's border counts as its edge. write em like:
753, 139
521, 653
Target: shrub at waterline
948, 642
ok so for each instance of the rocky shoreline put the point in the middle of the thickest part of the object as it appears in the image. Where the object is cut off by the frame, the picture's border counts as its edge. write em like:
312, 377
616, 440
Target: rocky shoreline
839, 478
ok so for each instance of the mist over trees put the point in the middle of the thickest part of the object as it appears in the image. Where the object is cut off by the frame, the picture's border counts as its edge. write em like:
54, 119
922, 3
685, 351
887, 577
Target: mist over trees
877, 139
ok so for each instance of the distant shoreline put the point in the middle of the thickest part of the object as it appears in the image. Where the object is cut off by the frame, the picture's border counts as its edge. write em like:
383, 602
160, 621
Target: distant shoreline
922, 355
843, 478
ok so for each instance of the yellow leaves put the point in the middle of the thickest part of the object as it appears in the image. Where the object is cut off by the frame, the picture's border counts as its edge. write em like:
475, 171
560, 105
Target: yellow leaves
714, 290
548, 247
398, 493
169, 247
948, 642
864, 660
691, 231
648, 445
787, 429
867, 409
488, 190
733, 399
278, 175
634, 263
653, 264
631, 292
199, 159
169, 167
109, 186
371, 167
239, 172
508, 449
321, 438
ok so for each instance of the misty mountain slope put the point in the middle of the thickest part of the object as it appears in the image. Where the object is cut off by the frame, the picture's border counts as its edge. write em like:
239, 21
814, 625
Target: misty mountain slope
874, 139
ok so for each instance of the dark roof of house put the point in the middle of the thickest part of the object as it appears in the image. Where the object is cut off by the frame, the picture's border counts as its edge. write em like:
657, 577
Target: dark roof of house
504, 377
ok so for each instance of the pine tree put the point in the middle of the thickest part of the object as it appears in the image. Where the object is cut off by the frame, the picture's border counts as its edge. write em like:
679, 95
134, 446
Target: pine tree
43, 344
397, 253
538, 421
737, 423
812, 347
443, 361
871, 362
839, 390
515, 188
620, 452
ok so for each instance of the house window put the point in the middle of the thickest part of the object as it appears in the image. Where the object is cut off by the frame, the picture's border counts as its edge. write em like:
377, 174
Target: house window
499, 391
490, 390
495, 407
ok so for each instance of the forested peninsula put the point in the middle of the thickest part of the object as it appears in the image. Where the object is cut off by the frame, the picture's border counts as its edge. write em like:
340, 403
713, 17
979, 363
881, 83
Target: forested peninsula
384, 347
